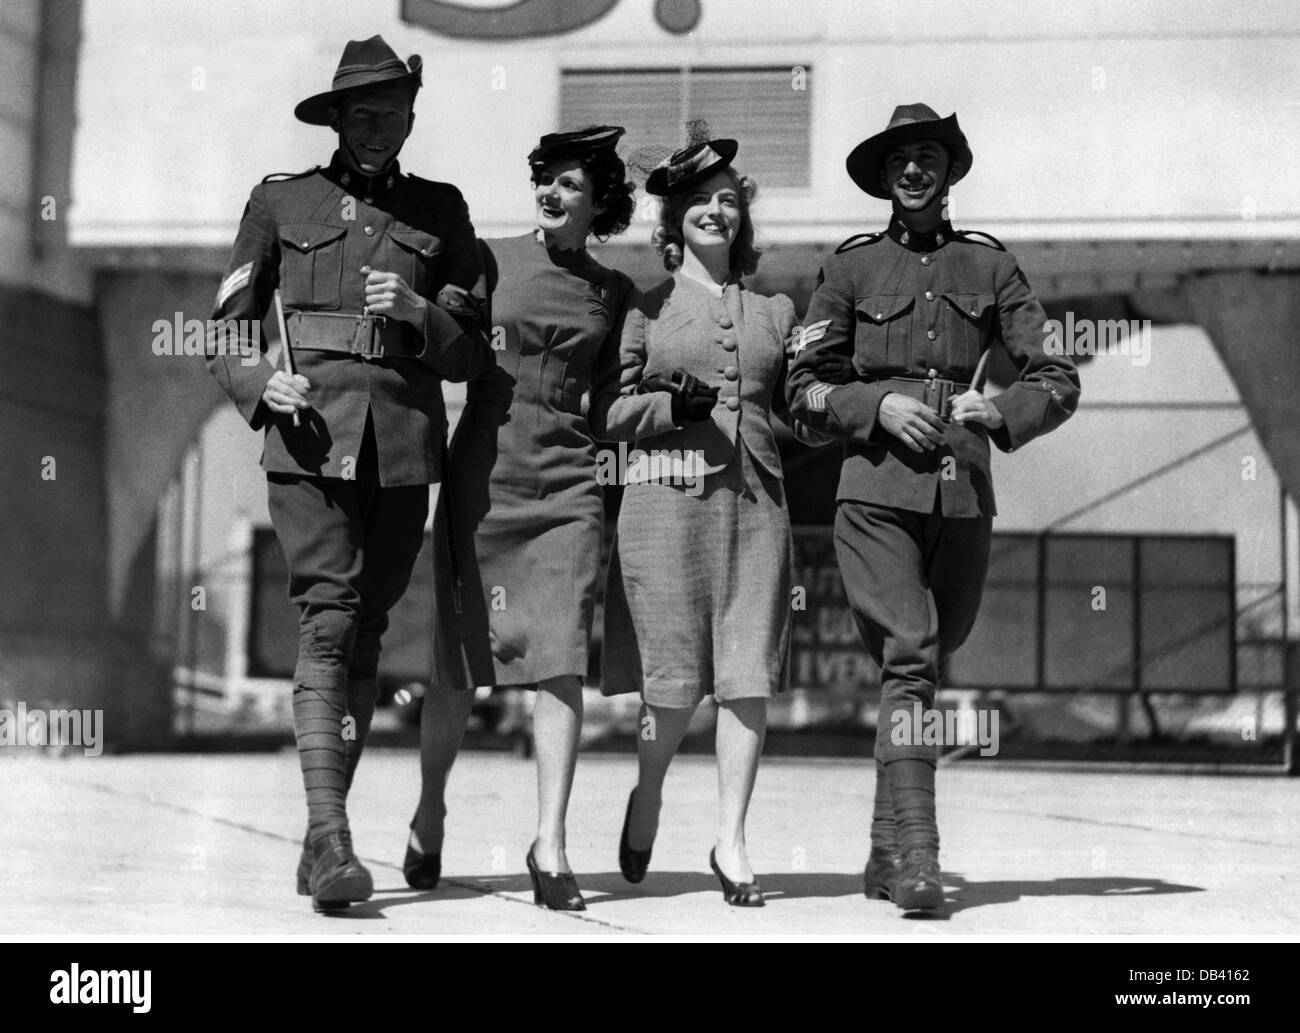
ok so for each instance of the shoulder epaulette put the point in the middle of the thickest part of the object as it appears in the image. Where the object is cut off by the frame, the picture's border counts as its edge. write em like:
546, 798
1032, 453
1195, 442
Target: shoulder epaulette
859, 240
280, 177
988, 241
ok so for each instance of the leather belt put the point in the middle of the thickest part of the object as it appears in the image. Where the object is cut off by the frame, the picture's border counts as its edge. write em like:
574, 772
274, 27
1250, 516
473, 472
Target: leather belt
935, 391
351, 333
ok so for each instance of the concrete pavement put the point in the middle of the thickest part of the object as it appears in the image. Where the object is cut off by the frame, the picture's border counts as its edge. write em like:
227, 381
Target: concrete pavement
206, 845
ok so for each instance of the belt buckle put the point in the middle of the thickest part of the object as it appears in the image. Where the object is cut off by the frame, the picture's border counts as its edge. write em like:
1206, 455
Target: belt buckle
366, 340
938, 395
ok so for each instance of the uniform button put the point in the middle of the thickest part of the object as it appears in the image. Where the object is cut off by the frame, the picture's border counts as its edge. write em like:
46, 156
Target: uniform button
369, 231
725, 322
306, 245
880, 315
368, 200
931, 334
729, 343
731, 373
733, 404
925, 259
929, 295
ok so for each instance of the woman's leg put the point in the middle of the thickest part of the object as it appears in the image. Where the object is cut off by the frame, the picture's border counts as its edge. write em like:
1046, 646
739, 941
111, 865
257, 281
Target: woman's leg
742, 724
660, 734
442, 728
557, 725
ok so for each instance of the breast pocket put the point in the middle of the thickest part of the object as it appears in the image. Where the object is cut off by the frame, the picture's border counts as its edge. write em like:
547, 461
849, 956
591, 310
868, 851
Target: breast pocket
883, 340
311, 264
968, 323
413, 255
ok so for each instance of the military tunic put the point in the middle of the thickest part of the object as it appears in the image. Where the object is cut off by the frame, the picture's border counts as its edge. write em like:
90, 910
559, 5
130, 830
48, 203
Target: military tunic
348, 488
912, 529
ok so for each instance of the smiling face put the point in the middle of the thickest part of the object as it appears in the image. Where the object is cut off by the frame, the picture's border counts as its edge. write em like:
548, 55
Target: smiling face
915, 172
373, 125
565, 203
713, 215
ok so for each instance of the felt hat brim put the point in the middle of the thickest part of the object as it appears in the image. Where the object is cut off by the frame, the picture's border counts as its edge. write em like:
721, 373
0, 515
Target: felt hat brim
867, 159
690, 166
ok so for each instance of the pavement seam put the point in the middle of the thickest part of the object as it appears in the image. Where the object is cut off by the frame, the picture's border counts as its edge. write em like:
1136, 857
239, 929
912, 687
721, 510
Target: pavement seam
280, 838
1132, 825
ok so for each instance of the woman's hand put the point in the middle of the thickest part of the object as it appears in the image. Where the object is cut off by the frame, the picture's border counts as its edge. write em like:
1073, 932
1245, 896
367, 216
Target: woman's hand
693, 400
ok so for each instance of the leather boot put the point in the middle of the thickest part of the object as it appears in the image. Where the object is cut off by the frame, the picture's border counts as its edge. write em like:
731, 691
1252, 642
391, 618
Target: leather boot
880, 875
337, 877
918, 887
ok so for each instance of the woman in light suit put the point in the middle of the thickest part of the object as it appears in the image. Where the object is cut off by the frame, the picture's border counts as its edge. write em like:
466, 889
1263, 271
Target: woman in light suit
698, 596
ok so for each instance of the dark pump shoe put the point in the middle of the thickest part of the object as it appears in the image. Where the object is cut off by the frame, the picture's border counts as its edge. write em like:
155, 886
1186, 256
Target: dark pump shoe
632, 863
557, 890
880, 874
422, 870
737, 894
337, 878
918, 887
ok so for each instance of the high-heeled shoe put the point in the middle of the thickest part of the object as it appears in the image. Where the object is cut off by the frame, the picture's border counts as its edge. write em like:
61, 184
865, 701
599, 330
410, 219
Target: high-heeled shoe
557, 890
632, 863
737, 894
422, 870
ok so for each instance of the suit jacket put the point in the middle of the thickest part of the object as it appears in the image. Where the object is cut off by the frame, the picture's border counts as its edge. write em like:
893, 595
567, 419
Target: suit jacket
735, 342
902, 305
310, 235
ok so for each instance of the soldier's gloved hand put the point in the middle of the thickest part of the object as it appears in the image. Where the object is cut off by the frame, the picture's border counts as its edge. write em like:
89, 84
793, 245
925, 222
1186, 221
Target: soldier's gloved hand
693, 400
286, 394
387, 294
913, 422
832, 368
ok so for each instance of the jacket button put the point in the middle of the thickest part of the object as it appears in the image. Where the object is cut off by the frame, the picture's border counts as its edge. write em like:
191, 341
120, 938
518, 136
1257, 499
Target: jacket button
925, 259
369, 231
306, 244
725, 322
729, 343
731, 373
929, 295
732, 403
880, 315
368, 200
931, 335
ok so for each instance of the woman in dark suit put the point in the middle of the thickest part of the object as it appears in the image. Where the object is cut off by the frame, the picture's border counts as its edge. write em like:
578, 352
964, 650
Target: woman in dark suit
698, 597
523, 501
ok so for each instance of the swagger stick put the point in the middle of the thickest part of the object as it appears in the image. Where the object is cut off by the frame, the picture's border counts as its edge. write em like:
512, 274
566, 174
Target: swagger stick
285, 350
977, 381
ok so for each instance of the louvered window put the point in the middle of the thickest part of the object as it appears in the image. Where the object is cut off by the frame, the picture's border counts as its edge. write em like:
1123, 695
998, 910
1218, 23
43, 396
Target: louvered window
767, 109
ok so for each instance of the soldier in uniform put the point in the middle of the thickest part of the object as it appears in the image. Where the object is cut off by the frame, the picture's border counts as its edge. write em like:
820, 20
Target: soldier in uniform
885, 362
382, 287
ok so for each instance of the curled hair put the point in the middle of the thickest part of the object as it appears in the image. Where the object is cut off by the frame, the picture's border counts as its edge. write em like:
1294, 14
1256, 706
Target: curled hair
610, 190
669, 240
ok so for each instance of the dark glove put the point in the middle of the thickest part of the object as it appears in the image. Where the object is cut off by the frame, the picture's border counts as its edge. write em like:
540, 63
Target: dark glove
693, 400
832, 368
